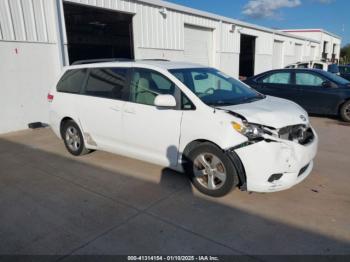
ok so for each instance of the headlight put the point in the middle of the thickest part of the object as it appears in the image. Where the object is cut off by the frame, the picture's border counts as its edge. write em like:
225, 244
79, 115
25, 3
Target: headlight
251, 131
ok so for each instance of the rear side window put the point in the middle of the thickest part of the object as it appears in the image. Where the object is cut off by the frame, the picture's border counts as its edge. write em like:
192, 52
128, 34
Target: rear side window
277, 78
107, 83
303, 65
72, 81
307, 79
318, 66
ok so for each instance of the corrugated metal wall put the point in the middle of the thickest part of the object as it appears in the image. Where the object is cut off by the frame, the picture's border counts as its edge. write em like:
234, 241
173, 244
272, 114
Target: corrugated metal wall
230, 40
153, 29
35, 21
28, 20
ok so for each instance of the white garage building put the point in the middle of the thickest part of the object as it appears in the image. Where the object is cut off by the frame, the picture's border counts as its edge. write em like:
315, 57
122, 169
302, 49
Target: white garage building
38, 37
330, 43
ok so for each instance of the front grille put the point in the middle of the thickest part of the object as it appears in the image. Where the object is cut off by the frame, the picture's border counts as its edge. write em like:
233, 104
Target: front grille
298, 133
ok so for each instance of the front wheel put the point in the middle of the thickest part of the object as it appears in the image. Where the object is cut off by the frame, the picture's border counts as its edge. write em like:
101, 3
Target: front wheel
345, 111
211, 171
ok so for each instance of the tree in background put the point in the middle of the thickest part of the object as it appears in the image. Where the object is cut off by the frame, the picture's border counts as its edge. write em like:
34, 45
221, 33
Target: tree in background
345, 54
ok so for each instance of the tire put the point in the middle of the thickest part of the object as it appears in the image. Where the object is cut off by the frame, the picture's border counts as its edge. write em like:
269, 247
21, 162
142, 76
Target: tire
73, 139
345, 111
213, 183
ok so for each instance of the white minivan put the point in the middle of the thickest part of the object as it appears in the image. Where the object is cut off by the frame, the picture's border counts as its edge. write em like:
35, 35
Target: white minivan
187, 117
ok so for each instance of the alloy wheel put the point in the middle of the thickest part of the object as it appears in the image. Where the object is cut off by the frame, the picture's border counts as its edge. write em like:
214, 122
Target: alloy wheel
73, 139
347, 111
209, 171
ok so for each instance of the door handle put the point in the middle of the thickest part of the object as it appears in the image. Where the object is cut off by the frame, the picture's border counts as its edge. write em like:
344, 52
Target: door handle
129, 111
117, 109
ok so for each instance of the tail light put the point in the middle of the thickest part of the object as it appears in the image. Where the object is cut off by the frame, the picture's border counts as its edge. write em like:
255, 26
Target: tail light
49, 98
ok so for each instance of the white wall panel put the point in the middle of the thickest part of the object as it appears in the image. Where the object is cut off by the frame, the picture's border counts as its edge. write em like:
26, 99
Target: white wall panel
0, 33
298, 52
40, 20
230, 41
277, 58
49, 10
262, 63
199, 45
229, 63
6, 21
28, 20
17, 19
28, 74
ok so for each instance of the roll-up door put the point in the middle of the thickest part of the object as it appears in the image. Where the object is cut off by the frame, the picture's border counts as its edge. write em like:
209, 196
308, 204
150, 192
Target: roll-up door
277, 58
199, 45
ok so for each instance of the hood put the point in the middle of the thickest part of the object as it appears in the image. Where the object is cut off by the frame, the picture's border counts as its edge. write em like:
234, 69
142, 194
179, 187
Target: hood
271, 111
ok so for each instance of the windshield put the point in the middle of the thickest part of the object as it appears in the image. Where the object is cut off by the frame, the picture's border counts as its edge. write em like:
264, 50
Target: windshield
335, 78
215, 88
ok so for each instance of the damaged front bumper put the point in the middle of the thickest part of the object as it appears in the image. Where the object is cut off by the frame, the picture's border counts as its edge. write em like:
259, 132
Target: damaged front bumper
278, 164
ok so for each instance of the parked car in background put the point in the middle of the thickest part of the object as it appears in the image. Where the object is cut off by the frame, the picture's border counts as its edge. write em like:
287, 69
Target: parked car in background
345, 72
186, 117
309, 64
334, 69
317, 91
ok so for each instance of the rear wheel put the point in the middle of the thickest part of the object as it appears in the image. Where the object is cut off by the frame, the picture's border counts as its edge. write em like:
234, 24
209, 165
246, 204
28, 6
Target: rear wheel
210, 170
345, 111
73, 139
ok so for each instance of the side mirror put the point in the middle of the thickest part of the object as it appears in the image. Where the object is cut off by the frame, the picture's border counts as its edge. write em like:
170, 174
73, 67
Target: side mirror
201, 76
327, 84
165, 101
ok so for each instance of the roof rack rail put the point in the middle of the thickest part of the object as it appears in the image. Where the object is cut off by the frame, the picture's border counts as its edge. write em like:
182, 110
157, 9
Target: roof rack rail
104, 60
155, 59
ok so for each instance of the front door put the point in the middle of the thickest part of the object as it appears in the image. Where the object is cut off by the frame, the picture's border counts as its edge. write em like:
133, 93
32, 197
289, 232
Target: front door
316, 98
279, 84
151, 133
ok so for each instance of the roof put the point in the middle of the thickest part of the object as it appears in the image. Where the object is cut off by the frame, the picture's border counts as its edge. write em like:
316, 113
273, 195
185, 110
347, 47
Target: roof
213, 16
308, 61
311, 30
140, 63
290, 69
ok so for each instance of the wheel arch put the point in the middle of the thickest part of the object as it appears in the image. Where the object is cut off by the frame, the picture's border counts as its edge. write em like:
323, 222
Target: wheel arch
242, 180
192, 145
64, 120
340, 105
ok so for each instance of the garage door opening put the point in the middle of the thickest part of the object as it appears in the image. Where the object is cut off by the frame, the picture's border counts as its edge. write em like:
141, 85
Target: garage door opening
95, 33
247, 56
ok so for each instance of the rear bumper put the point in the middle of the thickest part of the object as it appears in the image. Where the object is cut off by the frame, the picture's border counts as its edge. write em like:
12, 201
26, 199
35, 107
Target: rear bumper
55, 123
289, 161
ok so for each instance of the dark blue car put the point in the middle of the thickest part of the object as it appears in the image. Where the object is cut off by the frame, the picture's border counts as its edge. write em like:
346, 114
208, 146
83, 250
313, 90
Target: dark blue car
317, 91
345, 72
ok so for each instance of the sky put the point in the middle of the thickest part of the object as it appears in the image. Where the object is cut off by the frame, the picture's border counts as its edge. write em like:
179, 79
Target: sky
331, 15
